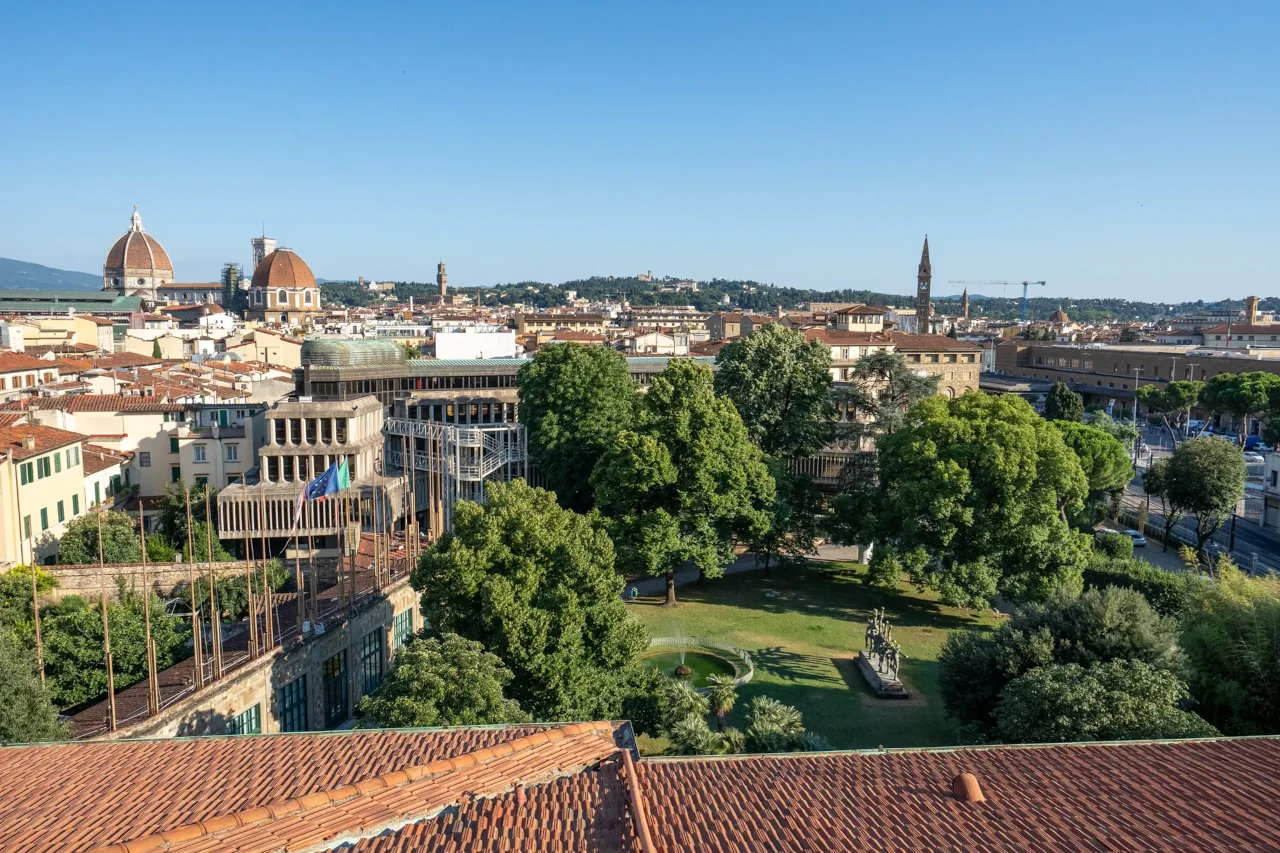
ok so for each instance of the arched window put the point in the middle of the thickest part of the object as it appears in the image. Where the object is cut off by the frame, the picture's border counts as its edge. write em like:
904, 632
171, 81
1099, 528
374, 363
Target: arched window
951, 393
306, 297
282, 298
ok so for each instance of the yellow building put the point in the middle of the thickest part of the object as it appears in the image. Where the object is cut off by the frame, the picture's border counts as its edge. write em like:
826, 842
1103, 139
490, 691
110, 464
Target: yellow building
42, 481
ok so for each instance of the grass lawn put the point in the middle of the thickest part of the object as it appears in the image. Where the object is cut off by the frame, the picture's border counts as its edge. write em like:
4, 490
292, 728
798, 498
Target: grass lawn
803, 639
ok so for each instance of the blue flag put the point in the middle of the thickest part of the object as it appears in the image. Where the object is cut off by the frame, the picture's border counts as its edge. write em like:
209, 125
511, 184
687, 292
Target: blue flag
327, 483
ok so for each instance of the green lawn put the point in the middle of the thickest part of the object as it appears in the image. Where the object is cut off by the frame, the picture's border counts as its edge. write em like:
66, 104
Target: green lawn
802, 640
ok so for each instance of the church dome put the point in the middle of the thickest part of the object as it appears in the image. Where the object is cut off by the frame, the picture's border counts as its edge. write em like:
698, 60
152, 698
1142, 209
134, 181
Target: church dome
1059, 316
138, 250
283, 269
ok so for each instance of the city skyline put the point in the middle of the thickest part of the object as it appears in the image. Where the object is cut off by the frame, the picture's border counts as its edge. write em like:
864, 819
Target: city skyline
1108, 153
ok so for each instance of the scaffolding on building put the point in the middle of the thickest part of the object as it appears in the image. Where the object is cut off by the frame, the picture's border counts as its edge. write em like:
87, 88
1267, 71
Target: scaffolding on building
453, 462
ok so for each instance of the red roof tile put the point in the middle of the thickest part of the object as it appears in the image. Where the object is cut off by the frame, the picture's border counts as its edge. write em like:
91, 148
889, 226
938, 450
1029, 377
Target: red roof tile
106, 403
14, 361
46, 438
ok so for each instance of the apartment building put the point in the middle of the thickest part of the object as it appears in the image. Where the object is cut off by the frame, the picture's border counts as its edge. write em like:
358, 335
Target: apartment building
218, 444
21, 374
42, 481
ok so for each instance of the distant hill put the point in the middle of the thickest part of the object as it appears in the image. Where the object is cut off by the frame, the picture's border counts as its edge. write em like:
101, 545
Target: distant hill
22, 275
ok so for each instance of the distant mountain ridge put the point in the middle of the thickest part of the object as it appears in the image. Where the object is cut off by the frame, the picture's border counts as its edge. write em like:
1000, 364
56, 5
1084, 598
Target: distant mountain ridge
20, 275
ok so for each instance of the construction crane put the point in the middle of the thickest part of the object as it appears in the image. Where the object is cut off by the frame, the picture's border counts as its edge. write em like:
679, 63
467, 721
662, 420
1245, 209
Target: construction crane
1025, 285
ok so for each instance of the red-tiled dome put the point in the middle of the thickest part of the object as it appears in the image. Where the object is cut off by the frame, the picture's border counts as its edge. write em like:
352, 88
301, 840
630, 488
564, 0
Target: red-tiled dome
138, 250
283, 268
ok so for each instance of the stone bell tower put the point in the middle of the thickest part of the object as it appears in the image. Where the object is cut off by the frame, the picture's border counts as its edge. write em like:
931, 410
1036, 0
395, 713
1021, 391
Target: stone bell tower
924, 282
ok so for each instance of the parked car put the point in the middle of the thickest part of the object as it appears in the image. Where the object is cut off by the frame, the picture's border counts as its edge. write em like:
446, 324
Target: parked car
1139, 541
1254, 458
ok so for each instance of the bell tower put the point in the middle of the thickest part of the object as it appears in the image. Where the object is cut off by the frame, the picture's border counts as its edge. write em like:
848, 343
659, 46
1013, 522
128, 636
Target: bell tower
442, 279
924, 282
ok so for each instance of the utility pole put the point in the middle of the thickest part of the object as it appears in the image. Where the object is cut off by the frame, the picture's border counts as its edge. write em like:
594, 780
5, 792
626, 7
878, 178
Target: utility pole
1137, 442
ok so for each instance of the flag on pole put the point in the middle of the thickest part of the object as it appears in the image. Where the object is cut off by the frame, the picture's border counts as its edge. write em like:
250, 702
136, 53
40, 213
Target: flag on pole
333, 480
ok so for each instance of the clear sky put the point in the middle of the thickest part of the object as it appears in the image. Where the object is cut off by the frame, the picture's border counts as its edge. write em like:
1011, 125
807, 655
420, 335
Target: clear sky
1110, 148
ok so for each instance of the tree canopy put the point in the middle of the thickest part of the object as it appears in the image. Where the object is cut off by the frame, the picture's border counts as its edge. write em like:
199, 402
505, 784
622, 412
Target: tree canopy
684, 482
1115, 700
1244, 396
1175, 398
1095, 627
120, 542
574, 400
881, 390
27, 714
443, 681
1205, 478
973, 495
1063, 404
1103, 458
781, 386
1231, 637
535, 584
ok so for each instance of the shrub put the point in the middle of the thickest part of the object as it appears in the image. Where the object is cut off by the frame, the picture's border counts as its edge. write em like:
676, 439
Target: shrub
1117, 546
1166, 592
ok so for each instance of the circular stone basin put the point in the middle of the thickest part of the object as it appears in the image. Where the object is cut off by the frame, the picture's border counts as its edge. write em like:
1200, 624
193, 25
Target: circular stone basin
703, 664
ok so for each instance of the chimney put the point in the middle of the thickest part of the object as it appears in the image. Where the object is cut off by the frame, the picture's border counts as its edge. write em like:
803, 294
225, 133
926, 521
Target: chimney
1251, 310
28, 442
965, 789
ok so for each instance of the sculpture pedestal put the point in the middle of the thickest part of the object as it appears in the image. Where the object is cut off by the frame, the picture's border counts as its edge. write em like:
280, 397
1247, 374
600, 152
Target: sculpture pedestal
884, 685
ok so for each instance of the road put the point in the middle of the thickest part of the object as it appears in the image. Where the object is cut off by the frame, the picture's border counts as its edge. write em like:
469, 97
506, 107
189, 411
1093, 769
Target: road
1257, 549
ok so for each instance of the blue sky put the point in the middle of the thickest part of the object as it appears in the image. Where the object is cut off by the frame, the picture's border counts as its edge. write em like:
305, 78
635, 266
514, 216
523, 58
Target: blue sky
1112, 149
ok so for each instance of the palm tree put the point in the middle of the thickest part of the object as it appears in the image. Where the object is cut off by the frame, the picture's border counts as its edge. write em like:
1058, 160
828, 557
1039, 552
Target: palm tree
772, 726
680, 701
723, 695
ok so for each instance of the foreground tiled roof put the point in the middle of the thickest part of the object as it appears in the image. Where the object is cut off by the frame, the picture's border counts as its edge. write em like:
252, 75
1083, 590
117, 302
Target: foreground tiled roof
107, 403
46, 438
576, 788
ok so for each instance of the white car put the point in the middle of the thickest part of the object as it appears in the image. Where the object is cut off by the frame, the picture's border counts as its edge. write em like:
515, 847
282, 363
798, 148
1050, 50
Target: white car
1254, 458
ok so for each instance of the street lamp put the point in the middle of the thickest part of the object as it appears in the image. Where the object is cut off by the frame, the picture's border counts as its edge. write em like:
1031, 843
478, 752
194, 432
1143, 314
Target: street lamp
1137, 442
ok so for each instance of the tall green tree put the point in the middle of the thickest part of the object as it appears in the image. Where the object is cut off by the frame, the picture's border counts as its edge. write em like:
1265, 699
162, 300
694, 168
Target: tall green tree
1155, 481
781, 386
1063, 404
973, 494
1244, 396
1116, 700
155, 349
796, 523
574, 400
881, 390
1231, 637
1122, 431
1103, 458
1095, 627
443, 681
171, 513
27, 714
535, 584
1174, 399
685, 482
1204, 478
120, 542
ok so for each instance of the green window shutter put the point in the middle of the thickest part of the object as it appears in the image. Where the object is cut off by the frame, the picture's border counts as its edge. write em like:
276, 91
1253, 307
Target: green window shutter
75, 504
57, 462
176, 473
22, 475
97, 493
62, 513
77, 454
173, 445
44, 519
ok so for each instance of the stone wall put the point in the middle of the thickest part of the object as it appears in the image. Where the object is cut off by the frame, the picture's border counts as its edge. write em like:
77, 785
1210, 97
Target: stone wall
209, 711
163, 578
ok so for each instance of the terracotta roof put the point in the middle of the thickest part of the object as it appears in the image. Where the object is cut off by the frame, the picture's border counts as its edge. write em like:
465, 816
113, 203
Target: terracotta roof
1245, 329
126, 359
106, 403
8, 419
95, 458
138, 250
1188, 795
65, 347
73, 365
101, 321
46, 438
862, 310
283, 268
707, 348
12, 361
60, 798
840, 336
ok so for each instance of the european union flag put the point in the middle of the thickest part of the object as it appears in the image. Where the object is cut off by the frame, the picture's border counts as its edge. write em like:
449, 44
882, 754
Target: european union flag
333, 480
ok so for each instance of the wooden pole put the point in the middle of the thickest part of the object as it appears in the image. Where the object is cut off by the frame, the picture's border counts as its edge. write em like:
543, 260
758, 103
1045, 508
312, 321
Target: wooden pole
153, 690
311, 565
22, 547
379, 505
216, 624
248, 580
106, 630
197, 625
269, 636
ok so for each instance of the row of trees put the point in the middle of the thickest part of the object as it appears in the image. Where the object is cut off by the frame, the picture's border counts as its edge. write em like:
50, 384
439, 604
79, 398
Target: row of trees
1242, 396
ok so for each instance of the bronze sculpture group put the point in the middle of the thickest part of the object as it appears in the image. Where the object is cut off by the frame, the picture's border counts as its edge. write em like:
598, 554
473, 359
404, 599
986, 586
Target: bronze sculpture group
881, 648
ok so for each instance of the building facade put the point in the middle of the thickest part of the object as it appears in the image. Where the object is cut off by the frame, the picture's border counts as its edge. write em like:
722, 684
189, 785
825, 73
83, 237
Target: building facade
136, 264
284, 291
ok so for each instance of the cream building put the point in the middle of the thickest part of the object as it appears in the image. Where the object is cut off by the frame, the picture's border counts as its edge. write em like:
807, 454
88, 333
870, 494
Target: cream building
42, 480
19, 372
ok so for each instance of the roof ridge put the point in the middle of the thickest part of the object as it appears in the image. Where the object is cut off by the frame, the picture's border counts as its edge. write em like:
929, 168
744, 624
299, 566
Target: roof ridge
317, 799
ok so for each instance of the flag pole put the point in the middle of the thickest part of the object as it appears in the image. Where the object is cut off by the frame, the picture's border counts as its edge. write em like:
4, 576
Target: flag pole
153, 694
269, 637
